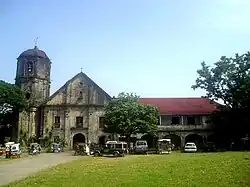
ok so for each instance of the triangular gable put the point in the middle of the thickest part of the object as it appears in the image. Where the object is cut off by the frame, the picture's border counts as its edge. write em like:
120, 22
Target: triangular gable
61, 91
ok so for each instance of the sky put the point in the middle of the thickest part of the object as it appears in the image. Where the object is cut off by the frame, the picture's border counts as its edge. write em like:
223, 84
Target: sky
151, 48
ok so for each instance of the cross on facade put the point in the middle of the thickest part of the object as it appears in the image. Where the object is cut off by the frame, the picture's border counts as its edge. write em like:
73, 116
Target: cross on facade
81, 69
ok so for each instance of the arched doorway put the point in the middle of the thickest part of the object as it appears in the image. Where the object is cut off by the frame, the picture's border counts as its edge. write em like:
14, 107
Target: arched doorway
102, 140
78, 138
175, 139
195, 138
151, 140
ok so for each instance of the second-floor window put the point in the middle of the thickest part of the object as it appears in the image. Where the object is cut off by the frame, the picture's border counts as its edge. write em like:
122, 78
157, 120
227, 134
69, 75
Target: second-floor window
79, 122
191, 120
57, 122
175, 120
101, 122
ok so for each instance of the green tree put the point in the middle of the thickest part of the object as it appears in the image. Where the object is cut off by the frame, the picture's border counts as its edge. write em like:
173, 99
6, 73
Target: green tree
12, 101
125, 116
229, 81
12, 98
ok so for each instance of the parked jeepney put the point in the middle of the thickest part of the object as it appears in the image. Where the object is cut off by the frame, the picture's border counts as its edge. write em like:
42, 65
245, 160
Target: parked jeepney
34, 149
164, 146
82, 149
55, 148
115, 148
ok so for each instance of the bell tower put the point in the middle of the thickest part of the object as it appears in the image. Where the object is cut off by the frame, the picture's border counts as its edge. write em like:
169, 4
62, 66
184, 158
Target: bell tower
33, 77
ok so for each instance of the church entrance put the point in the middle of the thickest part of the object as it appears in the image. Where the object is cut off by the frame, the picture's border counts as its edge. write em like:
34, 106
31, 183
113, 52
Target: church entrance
78, 138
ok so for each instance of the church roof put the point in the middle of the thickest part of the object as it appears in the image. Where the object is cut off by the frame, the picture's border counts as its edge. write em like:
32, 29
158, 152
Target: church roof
35, 52
81, 74
182, 106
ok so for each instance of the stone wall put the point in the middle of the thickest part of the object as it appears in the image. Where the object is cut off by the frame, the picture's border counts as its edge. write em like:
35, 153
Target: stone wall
79, 97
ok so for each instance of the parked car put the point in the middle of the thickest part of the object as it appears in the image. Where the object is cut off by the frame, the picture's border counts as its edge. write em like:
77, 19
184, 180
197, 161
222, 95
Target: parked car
114, 148
190, 147
141, 146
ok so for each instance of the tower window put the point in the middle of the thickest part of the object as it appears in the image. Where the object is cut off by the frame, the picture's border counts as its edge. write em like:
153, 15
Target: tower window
30, 66
101, 122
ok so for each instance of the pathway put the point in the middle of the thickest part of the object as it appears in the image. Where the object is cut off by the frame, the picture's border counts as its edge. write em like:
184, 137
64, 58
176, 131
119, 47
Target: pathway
19, 169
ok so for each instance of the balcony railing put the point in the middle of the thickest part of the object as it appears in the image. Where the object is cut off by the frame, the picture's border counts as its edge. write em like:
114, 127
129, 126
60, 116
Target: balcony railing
179, 127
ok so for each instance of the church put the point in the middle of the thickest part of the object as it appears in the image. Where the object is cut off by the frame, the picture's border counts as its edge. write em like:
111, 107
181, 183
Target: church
75, 111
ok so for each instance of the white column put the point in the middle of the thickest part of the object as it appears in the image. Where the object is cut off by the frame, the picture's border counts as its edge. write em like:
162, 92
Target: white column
182, 120
160, 119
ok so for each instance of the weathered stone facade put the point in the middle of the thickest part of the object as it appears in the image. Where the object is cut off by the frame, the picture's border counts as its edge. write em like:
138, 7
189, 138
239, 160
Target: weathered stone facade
75, 112
33, 76
79, 98
72, 111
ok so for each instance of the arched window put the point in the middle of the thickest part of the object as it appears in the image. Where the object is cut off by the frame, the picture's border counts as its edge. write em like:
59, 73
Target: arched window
29, 66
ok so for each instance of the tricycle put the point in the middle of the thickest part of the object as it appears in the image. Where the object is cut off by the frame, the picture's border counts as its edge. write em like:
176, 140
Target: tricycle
34, 149
55, 148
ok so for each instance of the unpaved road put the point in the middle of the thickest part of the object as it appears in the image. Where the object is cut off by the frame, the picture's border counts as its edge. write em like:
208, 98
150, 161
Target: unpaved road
19, 169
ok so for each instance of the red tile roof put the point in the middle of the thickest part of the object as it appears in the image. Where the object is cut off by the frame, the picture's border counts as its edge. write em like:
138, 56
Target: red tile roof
182, 106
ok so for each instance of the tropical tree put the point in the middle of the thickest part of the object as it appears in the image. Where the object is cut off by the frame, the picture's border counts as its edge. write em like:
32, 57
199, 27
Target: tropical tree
228, 81
125, 116
12, 101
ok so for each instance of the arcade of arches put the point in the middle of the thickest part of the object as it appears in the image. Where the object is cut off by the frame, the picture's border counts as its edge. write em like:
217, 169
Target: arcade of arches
178, 139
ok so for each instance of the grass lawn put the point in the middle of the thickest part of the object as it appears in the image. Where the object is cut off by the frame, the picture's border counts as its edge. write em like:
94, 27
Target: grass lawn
177, 169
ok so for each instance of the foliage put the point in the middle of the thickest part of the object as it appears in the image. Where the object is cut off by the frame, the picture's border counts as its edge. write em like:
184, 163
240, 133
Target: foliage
6, 139
12, 101
63, 142
230, 169
11, 98
124, 115
229, 80
32, 139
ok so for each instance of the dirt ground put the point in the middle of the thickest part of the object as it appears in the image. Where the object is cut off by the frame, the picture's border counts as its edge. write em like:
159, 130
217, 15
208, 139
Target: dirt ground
21, 168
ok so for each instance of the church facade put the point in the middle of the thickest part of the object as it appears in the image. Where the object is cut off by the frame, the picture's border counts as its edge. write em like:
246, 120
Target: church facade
75, 111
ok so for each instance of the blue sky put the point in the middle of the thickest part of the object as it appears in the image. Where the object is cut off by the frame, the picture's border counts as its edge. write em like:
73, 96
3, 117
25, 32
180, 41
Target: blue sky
152, 48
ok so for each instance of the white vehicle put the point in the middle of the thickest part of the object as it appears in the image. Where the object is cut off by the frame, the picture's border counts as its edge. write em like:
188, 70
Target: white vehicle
164, 146
141, 146
190, 147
